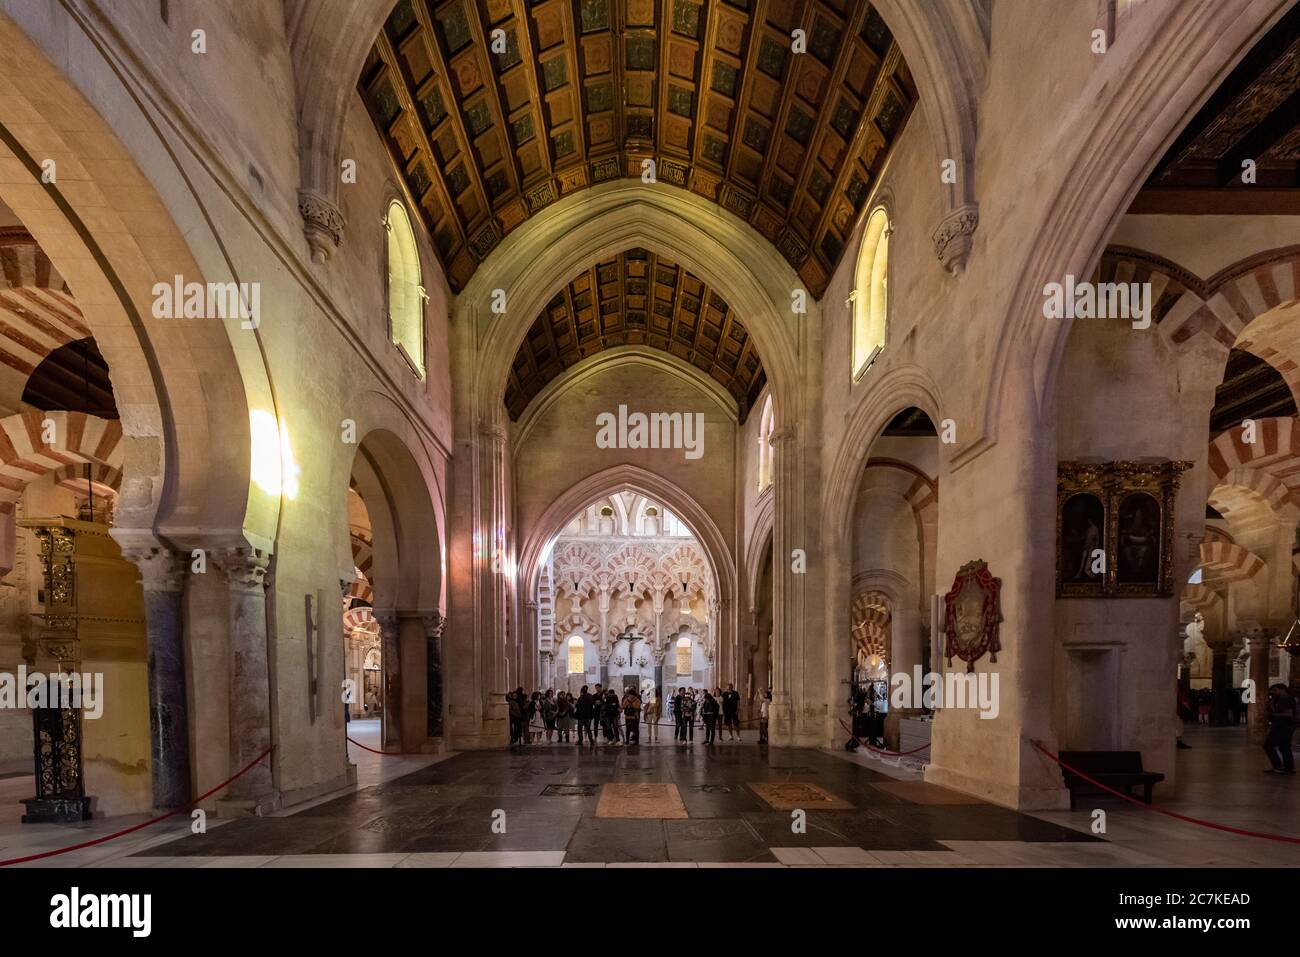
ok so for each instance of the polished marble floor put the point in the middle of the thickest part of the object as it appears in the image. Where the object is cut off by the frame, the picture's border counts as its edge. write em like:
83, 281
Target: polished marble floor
731, 805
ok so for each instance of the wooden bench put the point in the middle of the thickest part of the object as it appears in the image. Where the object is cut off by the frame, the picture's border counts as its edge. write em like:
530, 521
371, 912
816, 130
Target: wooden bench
1121, 770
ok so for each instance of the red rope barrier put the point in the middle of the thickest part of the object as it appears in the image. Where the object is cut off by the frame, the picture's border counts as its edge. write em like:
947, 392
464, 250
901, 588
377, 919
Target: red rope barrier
892, 754
162, 817
364, 748
1160, 810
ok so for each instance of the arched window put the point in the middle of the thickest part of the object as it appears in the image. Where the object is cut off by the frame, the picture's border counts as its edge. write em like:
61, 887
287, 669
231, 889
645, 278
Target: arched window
405, 287
683, 655
870, 296
766, 426
577, 656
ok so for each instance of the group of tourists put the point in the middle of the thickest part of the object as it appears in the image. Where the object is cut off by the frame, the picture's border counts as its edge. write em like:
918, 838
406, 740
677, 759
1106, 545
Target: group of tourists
560, 717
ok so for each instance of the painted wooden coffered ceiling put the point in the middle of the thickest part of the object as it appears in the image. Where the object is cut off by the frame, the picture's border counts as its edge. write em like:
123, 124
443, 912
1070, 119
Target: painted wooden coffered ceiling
495, 109
637, 298
1254, 115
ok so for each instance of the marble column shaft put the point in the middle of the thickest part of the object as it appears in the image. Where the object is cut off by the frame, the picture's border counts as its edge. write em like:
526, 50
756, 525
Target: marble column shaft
1256, 717
250, 683
162, 578
390, 658
433, 629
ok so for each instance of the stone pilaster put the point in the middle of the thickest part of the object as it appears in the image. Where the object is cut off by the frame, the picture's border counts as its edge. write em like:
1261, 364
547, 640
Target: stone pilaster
162, 574
250, 686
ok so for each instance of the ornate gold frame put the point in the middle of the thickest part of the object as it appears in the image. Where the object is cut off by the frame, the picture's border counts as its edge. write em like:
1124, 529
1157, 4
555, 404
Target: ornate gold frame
1111, 483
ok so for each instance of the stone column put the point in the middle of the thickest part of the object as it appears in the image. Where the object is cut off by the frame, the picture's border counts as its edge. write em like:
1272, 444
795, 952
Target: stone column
162, 579
1256, 716
797, 667
390, 660
531, 649
1220, 681
433, 627
250, 686
603, 640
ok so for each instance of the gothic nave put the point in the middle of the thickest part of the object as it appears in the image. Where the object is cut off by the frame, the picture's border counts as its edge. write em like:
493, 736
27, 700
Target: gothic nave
681, 433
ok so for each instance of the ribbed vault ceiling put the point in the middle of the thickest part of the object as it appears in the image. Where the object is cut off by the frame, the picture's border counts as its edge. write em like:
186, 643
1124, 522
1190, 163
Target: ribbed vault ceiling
637, 298
578, 92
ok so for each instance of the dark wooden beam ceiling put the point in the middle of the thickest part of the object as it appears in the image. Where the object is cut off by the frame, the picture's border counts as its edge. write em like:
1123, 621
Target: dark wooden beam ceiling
1251, 389
637, 298
1253, 115
584, 91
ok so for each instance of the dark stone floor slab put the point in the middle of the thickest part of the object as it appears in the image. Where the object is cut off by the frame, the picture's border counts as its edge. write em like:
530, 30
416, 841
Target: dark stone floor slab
550, 798
616, 840
265, 835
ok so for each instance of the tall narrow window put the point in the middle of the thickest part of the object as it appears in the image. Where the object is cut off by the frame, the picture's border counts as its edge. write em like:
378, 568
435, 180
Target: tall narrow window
405, 288
683, 656
870, 299
766, 425
577, 656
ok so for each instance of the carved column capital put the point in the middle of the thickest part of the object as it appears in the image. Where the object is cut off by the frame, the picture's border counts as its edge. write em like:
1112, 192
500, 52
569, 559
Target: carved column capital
322, 223
246, 568
161, 569
782, 437
955, 236
434, 624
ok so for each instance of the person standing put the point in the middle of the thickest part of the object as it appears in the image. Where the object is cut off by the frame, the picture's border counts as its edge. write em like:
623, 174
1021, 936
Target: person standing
563, 716
632, 717
651, 716
1279, 709
548, 706
764, 705
709, 711
533, 710
583, 711
611, 715
598, 713
679, 715
688, 717
515, 708
731, 712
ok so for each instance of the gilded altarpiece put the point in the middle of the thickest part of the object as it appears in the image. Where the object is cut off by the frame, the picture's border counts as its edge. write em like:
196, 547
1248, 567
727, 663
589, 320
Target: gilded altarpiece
1115, 528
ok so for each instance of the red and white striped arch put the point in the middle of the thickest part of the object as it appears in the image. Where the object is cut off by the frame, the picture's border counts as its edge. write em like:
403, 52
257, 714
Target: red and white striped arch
1224, 563
38, 313
77, 439
1257, 483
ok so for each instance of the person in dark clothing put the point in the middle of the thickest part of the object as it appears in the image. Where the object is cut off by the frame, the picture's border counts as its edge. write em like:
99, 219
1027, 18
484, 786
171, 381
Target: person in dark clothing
598, 713
610, 713
709, 711
632, 717
584, 711
679, 716
688, 717
515, 705
731, 712
1279, 709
